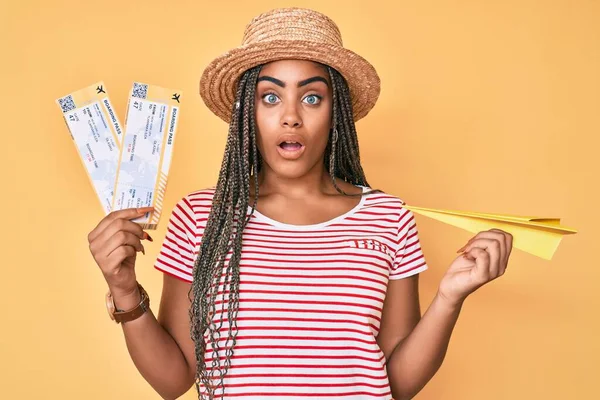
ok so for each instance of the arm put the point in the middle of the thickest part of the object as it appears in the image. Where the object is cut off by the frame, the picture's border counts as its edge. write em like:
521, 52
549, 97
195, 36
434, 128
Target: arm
162, 349
414, 347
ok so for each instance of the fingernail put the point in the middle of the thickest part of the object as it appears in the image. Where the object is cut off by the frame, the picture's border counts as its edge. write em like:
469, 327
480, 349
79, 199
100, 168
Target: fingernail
143, 250
461, 249
143, 210
148, 237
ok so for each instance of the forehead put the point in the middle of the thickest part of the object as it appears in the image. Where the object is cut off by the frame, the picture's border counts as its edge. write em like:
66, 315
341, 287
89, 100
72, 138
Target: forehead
294, 70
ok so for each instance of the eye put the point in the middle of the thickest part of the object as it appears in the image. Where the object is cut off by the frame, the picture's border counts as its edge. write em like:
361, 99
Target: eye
270, 98
312, 99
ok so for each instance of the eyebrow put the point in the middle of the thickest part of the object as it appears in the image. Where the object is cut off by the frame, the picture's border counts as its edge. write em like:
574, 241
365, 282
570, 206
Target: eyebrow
300, 84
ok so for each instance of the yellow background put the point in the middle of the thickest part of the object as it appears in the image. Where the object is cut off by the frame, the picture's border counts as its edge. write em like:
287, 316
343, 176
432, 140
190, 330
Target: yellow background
487, 106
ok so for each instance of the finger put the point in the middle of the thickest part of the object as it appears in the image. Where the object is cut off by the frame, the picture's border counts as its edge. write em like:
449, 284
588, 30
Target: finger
509, 244
128, 213
510, 247
470, 241
493, 234
113, 245
481, 271
117, 257
508, 241
122, 238
99, 243
493, 247
122, 225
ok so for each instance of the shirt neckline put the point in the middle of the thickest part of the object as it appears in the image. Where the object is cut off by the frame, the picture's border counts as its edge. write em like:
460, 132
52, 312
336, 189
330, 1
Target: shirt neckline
263, 218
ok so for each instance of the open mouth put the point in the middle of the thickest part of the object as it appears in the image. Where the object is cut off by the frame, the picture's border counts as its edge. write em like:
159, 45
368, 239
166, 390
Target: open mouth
290, 146
290, 150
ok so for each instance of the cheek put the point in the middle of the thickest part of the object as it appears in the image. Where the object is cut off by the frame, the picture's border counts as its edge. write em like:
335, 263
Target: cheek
321, 124
260, 143
266, 131
322, 118
263, 127
266, 119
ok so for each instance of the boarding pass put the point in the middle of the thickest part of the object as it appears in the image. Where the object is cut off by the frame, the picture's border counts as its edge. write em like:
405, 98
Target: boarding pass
147, 151
97, 135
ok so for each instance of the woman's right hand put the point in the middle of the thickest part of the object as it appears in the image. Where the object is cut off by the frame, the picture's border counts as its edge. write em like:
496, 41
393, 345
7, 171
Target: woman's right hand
114, 243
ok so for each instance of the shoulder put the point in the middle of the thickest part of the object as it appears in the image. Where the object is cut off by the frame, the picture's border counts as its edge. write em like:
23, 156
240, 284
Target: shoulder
390, 205
193, 207
197, 200
384, 200
201, 194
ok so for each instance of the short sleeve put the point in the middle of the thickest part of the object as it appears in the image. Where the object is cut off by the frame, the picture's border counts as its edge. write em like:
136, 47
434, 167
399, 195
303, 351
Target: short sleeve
409, 258
177, 253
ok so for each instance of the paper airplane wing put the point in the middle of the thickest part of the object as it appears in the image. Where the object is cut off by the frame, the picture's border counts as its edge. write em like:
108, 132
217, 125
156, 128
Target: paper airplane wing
536, 235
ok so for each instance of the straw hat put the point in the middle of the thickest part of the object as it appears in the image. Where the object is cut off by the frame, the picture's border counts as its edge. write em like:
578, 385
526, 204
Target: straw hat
289, 33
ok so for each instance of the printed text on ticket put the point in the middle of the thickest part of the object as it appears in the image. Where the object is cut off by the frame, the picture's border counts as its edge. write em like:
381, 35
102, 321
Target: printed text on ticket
97, 134
151, 123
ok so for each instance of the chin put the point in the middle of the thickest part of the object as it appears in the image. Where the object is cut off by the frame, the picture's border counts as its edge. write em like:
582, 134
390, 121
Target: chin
290, 169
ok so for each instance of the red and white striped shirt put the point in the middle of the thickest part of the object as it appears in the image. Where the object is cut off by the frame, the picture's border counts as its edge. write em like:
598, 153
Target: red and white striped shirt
310, 296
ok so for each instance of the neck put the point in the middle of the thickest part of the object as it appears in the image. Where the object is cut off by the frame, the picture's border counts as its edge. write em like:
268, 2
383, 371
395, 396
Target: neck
316, 181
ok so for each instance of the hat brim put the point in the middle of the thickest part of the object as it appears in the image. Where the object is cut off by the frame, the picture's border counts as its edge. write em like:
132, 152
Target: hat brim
219, 80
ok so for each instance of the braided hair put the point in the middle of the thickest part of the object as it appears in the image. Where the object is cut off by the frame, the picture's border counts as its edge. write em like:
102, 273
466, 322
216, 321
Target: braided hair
228, 217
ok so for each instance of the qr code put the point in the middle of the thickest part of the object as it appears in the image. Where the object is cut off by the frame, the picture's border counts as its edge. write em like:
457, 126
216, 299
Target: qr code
140, 90
66, 104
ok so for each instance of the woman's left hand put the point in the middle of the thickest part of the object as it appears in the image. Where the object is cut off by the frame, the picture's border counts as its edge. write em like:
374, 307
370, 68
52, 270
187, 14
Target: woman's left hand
485, 258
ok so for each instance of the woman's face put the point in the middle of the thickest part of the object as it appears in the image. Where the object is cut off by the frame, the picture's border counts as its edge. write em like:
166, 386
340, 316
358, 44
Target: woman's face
293, 116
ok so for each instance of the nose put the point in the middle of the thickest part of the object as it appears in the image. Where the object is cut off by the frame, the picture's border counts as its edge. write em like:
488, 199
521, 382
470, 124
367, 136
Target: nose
291, 118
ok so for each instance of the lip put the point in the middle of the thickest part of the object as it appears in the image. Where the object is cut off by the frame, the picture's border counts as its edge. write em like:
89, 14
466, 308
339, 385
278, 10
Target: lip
290, 154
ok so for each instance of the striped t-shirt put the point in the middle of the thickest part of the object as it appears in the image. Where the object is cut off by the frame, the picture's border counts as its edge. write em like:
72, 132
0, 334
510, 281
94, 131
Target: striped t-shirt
310, 296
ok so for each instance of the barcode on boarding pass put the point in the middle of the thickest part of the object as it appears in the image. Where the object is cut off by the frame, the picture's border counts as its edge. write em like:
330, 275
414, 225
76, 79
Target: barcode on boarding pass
140, 90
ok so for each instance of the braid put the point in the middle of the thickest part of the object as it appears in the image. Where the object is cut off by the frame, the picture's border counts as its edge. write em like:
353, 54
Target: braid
344, 163
223, 232
212, 275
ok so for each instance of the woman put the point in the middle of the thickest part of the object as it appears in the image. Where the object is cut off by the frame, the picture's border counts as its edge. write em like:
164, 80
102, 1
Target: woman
320, 298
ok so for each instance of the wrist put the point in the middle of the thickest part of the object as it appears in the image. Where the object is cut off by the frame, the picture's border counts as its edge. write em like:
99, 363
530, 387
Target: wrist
448, 303
125, 301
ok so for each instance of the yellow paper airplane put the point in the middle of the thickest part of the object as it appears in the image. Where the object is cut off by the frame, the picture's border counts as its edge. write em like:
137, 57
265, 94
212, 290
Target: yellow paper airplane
535, 235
